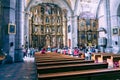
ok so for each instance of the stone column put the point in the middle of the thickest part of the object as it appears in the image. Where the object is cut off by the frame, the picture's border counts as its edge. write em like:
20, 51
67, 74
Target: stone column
19, 30
26, 29
75, 31
8, 40
108, 24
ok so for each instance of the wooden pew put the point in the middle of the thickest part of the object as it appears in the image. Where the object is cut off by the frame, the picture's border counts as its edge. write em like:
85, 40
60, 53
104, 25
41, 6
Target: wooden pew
104, 57
95, 56
112, 59
64, 62
70, 67
57, 60
52, 58
81, 55
51, 55
96, 74
89, 71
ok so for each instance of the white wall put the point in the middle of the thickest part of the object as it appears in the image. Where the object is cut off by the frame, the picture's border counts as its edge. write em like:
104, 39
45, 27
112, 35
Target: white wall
114, 4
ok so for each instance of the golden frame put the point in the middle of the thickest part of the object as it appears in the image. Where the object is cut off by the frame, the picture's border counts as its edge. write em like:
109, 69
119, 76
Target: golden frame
11, 28
115, 31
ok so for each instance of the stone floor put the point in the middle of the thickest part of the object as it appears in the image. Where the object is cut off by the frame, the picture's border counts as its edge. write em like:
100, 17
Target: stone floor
19, 71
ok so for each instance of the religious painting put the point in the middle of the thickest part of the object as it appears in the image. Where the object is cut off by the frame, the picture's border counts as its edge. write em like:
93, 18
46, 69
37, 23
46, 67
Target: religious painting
95, 36
93, 24
87, 22
82, 23
42, 9
35, 38
42, 29
119, 32
82, 35
47, 19
115, 31
36, 29
11, 28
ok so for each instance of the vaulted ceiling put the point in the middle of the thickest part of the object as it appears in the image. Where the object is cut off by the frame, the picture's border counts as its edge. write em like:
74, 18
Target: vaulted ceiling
77, 6
70, 2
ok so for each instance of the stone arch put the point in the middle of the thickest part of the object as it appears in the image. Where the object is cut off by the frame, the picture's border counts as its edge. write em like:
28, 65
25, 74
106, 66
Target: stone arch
118, 11
114, 6
118, 15
62, 3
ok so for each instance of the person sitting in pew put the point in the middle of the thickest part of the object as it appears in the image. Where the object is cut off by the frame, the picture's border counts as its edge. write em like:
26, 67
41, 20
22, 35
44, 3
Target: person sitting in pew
43, 51
87, 55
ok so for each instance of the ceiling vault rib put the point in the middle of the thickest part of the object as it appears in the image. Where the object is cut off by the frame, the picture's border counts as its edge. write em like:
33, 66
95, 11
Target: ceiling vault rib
68, 6
97, 11
28, 5
76, 6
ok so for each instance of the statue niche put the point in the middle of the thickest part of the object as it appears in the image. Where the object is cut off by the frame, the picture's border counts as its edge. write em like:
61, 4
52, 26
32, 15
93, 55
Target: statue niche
47, 40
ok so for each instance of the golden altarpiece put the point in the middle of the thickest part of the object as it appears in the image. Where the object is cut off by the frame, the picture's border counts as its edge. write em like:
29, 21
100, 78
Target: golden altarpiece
87, 31
48, 26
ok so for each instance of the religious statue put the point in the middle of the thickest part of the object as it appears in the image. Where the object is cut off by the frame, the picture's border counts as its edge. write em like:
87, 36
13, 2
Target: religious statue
58, 12
93, 24
53, 41
82, 23
47, 20
58, 20
89, 37
36, 29
47, 40
48, 10
88, 22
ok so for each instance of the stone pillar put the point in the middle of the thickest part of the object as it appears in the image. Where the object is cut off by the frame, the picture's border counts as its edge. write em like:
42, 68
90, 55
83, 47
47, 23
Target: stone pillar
26, 28
8, 40
19, 30
75, 31
108, 24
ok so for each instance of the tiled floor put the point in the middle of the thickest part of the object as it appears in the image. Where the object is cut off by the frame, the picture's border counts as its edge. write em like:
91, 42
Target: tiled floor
19, 71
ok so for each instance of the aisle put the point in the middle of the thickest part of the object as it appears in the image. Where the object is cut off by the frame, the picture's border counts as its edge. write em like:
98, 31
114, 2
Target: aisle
19, 71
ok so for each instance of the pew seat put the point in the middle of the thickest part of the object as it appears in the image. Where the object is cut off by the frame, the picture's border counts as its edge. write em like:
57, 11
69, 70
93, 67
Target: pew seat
64, 62
96, 74
58, 60
70, 67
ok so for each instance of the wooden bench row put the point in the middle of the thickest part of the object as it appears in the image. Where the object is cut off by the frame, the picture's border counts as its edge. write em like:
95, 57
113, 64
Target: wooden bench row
58, 60
64, 62
63, 68
70, 67
96, 74
107, 57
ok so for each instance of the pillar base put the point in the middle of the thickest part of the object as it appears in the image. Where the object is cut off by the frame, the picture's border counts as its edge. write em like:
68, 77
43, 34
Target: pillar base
116, 49
18, 55
8, 60
102, 49
109, 49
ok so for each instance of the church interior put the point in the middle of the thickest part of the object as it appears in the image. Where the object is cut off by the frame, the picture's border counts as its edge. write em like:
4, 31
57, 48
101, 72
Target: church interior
60, 39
